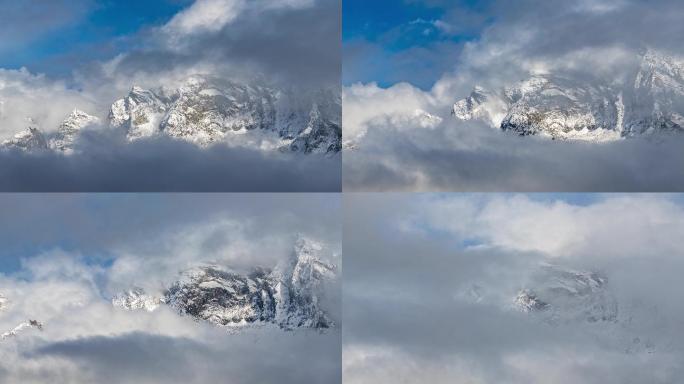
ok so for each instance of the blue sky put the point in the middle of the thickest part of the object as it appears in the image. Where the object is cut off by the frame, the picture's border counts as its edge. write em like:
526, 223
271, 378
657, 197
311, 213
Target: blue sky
370, 20
90, 30
388, 41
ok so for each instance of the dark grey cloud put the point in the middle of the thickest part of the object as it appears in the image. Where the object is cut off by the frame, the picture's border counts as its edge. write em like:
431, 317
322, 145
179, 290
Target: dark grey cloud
529, 30
108, 164
564, 26
473, 157
293, 47
408, 314
144, 358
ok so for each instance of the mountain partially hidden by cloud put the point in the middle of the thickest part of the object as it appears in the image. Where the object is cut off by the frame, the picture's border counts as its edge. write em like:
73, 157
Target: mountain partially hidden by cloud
597, 101
179, 288
258, 96
512, 288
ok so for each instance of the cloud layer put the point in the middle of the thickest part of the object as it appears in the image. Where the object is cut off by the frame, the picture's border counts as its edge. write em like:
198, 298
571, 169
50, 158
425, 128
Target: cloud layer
107, 163
430, 282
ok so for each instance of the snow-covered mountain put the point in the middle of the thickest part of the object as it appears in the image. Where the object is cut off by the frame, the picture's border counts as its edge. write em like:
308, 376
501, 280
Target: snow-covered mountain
205, 110
29, 324
21, 327
288, 296
576, 108
561, 295
30, 139
560, 298
69, 129
136, 298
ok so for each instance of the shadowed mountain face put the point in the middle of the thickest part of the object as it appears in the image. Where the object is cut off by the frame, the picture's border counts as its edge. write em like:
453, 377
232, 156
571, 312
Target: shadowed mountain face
560, 106
288, 296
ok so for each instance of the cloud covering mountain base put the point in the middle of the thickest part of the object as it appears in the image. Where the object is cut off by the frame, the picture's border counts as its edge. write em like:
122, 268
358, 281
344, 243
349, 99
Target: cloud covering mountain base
467, 156
111, 164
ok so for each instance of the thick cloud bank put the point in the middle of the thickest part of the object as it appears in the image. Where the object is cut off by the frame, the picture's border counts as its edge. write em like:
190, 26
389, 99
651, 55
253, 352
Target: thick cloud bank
105, 163
402, 137
431, 287
467, 156
66, 256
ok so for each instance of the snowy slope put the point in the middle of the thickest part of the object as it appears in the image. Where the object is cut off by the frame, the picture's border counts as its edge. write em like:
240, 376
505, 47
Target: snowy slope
31, 139
573, 108
207, 110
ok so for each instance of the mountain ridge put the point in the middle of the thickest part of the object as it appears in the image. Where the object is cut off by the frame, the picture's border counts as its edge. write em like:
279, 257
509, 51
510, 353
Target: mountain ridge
206, 110
563, 107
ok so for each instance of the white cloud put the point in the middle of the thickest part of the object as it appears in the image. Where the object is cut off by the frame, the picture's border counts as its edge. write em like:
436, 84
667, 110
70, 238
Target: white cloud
600, 6
368, 104
213, 15
206, 15
152, 263
615, 227
25, 95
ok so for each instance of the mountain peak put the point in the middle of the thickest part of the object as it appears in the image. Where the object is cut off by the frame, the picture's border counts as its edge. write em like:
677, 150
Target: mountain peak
136, 298
307, 262
30, 139
69, 130
288, 296
564, 295
574, 108
206, 110
305, 246
35, 324
137, 90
